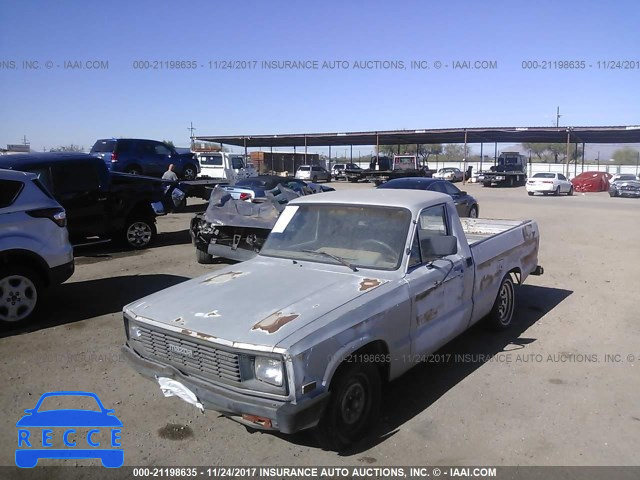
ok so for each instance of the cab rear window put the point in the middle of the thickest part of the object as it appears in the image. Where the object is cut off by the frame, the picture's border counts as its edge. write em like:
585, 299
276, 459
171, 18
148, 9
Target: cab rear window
9, 191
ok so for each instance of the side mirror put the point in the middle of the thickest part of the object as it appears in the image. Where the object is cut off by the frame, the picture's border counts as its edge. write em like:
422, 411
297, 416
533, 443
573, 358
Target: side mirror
462, 192
438, 246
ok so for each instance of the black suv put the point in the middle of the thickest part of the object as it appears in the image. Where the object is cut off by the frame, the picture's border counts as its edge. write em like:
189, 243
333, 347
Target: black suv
146, 157
99, 203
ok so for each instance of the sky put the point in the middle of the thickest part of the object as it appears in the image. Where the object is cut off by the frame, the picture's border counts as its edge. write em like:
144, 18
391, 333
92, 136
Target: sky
55, 105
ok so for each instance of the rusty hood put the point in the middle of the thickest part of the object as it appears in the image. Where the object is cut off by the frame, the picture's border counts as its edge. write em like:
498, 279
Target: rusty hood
258, 302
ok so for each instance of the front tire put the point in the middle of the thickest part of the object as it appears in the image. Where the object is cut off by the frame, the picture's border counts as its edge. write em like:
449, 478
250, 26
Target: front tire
473, 212
353, 406
501, 314
133, 170
314, 179
530, 194
20, 294
557, 192
570, 192
203, 258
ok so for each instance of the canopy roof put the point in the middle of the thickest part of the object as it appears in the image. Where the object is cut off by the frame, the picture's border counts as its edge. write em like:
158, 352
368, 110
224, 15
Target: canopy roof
611, 134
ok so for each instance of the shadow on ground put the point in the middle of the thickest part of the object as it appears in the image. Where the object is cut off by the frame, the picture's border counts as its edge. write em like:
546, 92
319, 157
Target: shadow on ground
87, 254
420, 387
76, 301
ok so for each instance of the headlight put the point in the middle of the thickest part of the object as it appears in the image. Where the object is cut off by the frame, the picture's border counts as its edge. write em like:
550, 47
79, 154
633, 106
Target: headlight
134, 331
269, 370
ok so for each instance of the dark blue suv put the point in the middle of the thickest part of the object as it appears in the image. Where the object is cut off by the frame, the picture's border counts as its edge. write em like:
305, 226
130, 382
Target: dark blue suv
145, 157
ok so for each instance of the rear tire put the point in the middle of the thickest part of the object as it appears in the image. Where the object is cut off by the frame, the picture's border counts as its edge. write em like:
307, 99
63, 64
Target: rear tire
190, 172
21, 290
473, 212
353, 405
203, 258
314, 179
557, 192
503, 307
530, 194
139, 233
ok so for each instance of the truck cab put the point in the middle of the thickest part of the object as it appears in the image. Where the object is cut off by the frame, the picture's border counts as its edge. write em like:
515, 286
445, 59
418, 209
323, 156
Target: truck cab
225, 166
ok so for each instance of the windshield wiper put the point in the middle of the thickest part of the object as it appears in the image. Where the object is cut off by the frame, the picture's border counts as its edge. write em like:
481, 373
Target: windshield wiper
335, 257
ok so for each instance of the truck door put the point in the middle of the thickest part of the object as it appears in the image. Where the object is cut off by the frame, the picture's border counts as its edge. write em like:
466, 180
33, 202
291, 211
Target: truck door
77, 186
440, 289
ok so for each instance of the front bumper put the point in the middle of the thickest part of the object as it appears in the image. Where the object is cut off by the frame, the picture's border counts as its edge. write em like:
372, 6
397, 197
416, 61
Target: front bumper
285, 417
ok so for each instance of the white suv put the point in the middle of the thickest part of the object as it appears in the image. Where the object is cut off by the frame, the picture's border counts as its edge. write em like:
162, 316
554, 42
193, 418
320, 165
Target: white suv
313, 173
35, 252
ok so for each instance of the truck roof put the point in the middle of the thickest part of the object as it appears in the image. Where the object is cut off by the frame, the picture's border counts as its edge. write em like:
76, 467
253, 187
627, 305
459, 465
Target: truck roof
411, 199
44, 158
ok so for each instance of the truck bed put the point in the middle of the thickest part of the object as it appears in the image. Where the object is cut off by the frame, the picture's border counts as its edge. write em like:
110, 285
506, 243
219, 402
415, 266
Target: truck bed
480, 229
497, 246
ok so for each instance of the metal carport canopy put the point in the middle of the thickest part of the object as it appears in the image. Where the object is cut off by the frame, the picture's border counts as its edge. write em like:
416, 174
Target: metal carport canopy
611, 134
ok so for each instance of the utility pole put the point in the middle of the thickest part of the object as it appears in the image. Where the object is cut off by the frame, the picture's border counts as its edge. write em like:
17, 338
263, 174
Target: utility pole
558, 117
191, 128
24, 140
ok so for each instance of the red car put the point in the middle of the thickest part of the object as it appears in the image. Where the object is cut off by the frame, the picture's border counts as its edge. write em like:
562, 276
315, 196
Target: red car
591, 182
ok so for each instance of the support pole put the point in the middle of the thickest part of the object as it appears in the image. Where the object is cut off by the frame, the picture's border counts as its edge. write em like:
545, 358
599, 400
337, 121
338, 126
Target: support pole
582, 157
481, 156
351, 154
566, 160
575, 165
305, 149
466, 151
495, 154
329, 157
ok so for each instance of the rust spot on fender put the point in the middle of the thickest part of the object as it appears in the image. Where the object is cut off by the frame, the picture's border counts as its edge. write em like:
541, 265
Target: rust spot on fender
223, 277
368, 283
274, 322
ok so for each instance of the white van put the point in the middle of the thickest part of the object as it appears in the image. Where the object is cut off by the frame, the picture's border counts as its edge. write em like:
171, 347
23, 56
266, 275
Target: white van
224, 165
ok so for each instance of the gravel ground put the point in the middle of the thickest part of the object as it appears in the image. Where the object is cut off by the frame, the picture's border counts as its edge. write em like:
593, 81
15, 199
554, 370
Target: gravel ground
548, 396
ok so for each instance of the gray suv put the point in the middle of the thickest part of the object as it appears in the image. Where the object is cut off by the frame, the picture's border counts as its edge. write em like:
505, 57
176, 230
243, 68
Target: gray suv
35, 252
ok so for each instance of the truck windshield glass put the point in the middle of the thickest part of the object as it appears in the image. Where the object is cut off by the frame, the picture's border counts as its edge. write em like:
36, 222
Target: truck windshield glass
365, 237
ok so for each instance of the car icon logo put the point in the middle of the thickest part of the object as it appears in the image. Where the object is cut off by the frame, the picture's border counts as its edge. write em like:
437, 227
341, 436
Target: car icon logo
103, 430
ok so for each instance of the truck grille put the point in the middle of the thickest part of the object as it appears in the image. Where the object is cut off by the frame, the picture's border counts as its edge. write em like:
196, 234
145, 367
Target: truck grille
191, 356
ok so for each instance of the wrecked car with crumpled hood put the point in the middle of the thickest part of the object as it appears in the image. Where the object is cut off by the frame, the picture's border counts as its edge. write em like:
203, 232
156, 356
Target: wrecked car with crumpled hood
236, 229
347, 293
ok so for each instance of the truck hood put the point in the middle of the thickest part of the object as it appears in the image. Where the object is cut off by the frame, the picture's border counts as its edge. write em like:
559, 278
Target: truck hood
258, 302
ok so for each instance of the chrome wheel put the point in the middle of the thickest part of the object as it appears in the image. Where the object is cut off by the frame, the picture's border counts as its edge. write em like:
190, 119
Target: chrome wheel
139, 234
18, 298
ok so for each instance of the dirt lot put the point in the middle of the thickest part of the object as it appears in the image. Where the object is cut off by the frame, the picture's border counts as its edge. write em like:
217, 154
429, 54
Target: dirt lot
548, 397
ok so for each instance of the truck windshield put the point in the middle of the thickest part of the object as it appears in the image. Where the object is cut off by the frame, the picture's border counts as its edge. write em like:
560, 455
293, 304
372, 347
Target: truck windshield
364, 236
